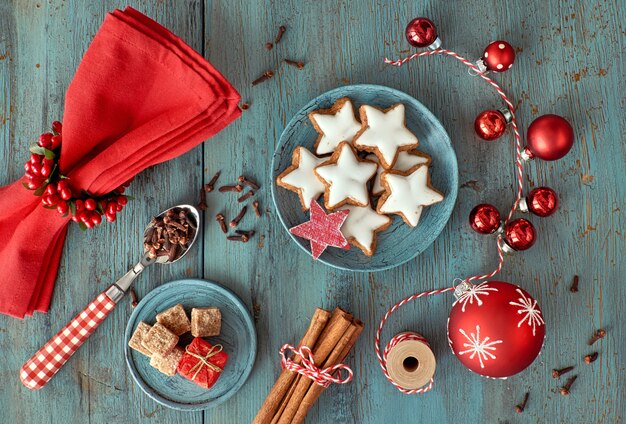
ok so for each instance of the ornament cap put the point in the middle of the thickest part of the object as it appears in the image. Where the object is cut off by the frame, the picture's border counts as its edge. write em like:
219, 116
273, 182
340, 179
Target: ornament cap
508, 116
522, 205
462, 288
436, 44
527, 154
506, 248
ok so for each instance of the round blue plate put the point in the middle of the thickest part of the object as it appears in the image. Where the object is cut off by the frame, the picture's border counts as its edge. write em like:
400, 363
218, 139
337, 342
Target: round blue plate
399, 243
238, 337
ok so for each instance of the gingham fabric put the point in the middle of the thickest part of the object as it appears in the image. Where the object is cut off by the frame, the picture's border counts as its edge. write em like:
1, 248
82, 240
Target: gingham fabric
44, 364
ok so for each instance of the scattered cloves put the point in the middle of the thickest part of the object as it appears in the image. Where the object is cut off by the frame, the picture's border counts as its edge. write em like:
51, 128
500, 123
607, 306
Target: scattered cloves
255, 205
236, 188
269, 46
246, 181
249, 233
202, 204
591, 358
520, 408
574, 287
264, 77
245, 106
279, 36
565, 390
246, 196
558, 373
133, 297
599, 334
211, 184
295, 64
235, 221
242, 238
221, 220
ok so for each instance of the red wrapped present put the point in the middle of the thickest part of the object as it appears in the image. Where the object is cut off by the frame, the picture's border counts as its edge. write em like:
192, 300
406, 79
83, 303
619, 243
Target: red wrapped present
202, 362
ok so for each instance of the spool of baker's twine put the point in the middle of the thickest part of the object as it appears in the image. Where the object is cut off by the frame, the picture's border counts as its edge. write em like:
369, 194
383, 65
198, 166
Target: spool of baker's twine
410, 363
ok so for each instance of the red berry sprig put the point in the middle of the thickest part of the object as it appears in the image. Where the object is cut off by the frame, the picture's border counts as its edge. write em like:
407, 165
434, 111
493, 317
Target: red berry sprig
41, 172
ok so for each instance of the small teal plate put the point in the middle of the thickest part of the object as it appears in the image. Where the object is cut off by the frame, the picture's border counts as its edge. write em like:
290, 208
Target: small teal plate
399, 243
238, 337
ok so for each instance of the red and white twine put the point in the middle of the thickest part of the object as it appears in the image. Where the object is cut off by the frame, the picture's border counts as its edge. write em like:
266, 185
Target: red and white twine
323, 377
382, 359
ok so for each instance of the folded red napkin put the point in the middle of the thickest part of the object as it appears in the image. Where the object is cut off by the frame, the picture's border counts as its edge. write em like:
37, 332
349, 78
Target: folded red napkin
140, 96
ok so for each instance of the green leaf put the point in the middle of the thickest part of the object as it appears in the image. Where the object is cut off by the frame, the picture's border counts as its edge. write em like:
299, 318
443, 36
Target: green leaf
65, 214
129, 197
82, 226
72, 206
40, 190
99, 208
50, 206
25, 186
36, 149
86, 193
49, 154
51, 176
63, 177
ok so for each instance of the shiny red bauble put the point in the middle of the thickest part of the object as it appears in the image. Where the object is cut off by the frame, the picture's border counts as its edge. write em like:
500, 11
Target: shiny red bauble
496, 329
541, 201
549, 137
499, 56
421, 32
484, 218
490, 124
520, 234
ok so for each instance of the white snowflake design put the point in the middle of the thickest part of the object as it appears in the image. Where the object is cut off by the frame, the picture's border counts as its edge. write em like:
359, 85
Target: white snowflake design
473, 293
484, 349
528, 307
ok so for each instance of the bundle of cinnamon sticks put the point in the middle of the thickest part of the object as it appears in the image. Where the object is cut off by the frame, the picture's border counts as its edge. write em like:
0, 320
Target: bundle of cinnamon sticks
331, 338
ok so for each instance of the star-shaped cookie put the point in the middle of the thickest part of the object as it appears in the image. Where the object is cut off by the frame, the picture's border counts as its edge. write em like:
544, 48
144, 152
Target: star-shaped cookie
384, 133
345, 177
362, 225
405, 161
334, 125
300, 176
322, 230
406, 193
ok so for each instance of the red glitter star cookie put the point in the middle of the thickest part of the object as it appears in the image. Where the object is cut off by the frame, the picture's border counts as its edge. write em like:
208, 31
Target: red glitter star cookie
322, 230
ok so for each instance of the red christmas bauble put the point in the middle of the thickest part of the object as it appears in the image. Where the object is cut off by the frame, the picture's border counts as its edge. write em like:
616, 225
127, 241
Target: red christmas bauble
549, 137
484, 218
490, 124
542, 201
421, 32
499, 56
496, 329
520, 234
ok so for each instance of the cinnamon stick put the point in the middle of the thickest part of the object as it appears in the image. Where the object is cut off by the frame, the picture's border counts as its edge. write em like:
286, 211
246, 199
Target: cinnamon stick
337, 356
284, 382
339, 323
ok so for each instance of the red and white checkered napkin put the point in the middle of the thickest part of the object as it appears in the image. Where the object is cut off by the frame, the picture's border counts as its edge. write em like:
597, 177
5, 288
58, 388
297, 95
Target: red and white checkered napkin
44, 364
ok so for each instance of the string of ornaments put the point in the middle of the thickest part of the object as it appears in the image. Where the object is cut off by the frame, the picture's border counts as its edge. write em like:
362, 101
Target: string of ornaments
44, 178
496, 329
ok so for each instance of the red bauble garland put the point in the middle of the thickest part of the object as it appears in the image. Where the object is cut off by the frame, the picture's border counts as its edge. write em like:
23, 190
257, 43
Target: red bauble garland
549, 137
520, 234
541, 201
421, 32
498, 56
484, 219
490, 124
43, 176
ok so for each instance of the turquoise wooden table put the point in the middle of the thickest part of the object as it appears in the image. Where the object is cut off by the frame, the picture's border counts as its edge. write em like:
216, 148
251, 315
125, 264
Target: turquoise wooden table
570, 62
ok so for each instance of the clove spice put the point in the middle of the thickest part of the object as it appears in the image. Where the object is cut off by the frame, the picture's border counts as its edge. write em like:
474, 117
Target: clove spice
242, 238
257, 211
249, 233
558, 373
591, 358
520, 407
565, 390
279, 36
133, 298
269, 46
238, 188
246, 181
202, 204
264, 77
211, 184
599, 334
221, 220
295, 64
574, 287
169, 235
245, 106
246, 196
235, 221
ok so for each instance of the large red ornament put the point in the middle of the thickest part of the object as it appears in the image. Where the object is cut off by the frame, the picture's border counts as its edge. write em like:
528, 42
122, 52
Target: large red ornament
520, 234
549, 137
421, 32
484, 218
541, 201
495, 329
499, 56
490, 124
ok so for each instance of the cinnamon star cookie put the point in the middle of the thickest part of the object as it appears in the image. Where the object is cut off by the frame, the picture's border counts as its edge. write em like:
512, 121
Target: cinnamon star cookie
334, 125
300, 177
362, 226
345, 177
384, 133
405, 161
406, 193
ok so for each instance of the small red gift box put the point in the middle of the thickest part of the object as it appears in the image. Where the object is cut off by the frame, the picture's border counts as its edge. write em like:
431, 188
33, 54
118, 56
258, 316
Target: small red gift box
202, 362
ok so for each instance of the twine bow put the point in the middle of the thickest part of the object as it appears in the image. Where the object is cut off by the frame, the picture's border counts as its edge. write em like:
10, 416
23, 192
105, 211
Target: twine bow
323, 377
204, 360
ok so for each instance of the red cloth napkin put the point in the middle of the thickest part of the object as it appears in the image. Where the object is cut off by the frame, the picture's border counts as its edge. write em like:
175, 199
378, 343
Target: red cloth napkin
140, 96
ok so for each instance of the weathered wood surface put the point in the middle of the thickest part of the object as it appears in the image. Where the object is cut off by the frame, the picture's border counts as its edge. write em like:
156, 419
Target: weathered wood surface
570, 62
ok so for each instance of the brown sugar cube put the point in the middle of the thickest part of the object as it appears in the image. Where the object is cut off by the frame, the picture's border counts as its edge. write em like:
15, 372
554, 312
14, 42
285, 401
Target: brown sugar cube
139, 335
159, 340
175, 319
169, 363
206, 322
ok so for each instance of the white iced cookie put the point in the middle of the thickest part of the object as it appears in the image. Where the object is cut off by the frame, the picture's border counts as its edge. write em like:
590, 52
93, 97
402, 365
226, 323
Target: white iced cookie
334, 125
361, 226
406, 193
300, 177
384, 133
405, 161
345, 177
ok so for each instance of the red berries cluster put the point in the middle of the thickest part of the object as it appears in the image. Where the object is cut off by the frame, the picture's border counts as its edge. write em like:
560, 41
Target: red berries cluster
55, 190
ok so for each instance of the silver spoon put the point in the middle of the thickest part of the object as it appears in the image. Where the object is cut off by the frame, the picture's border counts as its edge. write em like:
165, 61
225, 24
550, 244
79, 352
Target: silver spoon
48, 360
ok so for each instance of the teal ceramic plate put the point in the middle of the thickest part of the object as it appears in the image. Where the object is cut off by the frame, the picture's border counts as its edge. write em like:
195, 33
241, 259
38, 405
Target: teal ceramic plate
399, 243
238, 337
